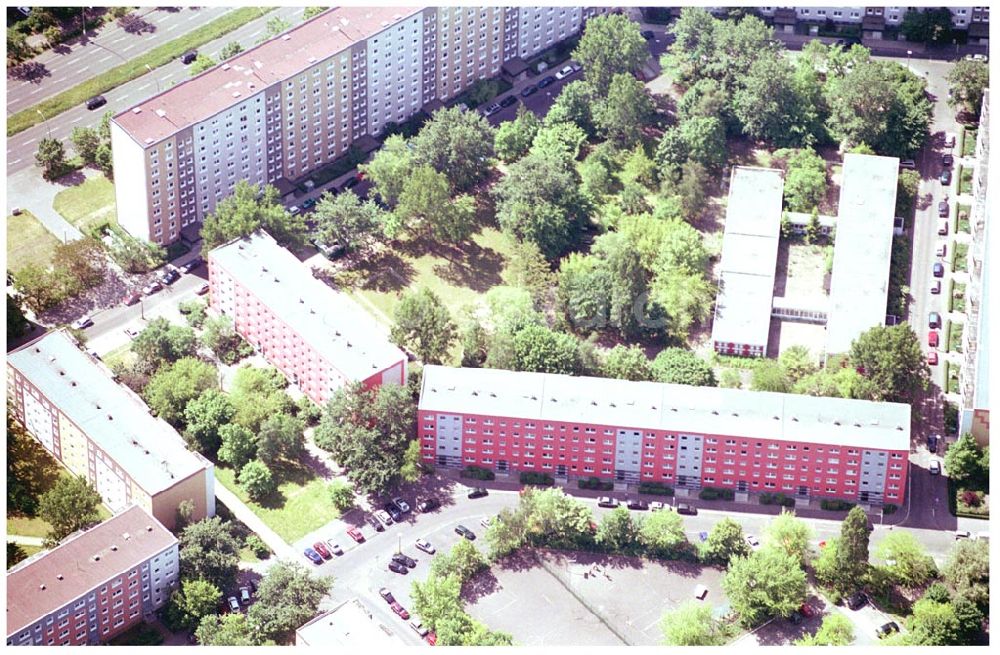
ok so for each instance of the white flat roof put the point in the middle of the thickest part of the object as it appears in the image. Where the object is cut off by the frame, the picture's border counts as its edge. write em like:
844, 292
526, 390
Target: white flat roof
350, 625
749, 256
332, 324
147, 448
859, 285
672, 407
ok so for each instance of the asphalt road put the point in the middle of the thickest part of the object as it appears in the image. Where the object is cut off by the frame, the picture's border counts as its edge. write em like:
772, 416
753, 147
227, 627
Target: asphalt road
86, 58
21, 147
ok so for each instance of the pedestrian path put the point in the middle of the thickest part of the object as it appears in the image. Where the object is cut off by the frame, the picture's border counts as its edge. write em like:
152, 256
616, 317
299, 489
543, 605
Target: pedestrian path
26, 189
24, 541
252, 521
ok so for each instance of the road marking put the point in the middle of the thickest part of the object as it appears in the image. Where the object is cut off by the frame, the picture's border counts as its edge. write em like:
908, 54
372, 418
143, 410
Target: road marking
29, 142
144, 87
128, 47
85, 68
61, 79
77, 120
256, 33
172, 27
16, 161
34, 91
104, 59
121, 99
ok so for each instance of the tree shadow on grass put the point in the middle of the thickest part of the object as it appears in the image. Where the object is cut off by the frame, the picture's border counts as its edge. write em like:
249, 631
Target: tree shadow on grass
76, 178
385, 272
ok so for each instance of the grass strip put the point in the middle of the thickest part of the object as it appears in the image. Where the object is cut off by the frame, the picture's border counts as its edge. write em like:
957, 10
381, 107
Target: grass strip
135, 68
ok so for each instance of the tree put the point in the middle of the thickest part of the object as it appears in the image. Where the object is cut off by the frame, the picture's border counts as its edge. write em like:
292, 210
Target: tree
205, 416
628, 285
932, 624
183, 514
724, 543
627, 108
281, 436
963, 460
574, 105
905, 560
422, 324
17, 46
968, 79
343, 218
805, 179
238, 445
287, 597
627, 363
412, 467
194, 312
201, 64
30, 470
769, 106
70, 505
704, 99
463, 562
437, 600
256, 478
927, 25
685, 298
219, 336
228, 630
51, 157
610, 45
833, 382
210, 551
162, 343
970, 621
17, 324
310, 12
195, 600
258, 394
836, 630
767, 583
15, 554
171, 389
537, 348
705, 141
342, 495
891, 364
851, 552
104, 160
86, 141
681, 366
692, 624
797, 362
513, 138
967, 571
247, 210
768, 375
527, 269
456, 143
389, 169
662, 534
584, 291
230, 50
617, 532
790, 535
276, 25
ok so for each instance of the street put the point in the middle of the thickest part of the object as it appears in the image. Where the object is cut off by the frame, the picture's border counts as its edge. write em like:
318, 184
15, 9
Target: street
21, 147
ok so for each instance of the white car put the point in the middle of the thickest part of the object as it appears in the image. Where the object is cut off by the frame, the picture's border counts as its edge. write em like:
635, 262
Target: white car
334, 547
656, 506
383, 517
935, 467
401, 505
131, 333
564, 72
486, 522
492, 109
424, 545
752, 541
82, 323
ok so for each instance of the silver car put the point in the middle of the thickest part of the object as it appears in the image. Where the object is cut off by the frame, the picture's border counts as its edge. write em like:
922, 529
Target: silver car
424, 545
383, 517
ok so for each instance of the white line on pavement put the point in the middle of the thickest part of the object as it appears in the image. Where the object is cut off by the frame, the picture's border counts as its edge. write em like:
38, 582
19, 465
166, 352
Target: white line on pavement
121, 99
29, 142
34, 91
16, 161
61, 79
85, 68
172, 27
128, 47
143, 87
104, 58
77, 120
256, 33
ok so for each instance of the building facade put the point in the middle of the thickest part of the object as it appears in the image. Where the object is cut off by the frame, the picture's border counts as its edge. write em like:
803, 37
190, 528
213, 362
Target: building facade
685, 437
962, 18
298, 101
319, 338
95, 585
102, 431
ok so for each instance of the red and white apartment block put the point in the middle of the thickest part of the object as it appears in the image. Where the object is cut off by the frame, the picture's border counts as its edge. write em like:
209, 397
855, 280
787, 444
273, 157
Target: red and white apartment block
686, 437
319, 338
95, 585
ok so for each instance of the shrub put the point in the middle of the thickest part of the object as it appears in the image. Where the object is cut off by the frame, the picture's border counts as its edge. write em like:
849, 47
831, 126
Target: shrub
710, 493
776, 499
477, 473
970, 498
655, 489
308, 411
543, 479
595, 483
889, 508
257, 545
836, 505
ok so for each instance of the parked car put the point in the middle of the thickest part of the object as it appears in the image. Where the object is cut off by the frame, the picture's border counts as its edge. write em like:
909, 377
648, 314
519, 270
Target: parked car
401, 505
245, 595
313, 556
383, 517
508, 101
943, 211
354, 532
131, 333
393, 511
648, 35
491, 109
943, 228
396, 567
949, 140
887, 629
405, 560
320, 548
564, 72
947, 160
933, 320
657, 506
935, 467
169, 276
478, 492
431, 638
375, 523
941, 251
294, 209
938, 270
752, 541
945, 177
465, 532
529, 90
83, 323
428, 504
932, 442
334, 547
684, 508
191, 265
963, 534
807, 610
308, 203
607, 501
936, 287
202, 290
932, 339
424, 545
400, 610
419, 628
151, 288
386, 595
189, 57
908, 163
638, 504
703, 536
545, 81
932, 358
857, 601
234, 604
95, 102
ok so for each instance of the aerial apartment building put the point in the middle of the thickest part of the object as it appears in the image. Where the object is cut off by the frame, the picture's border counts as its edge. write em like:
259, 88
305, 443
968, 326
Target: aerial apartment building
319, 338
298, 101
102, 431
95, 585
686, 437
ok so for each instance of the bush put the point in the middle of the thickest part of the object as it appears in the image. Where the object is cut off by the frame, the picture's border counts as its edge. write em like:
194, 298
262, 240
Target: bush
950, 418
543, 479
970, 498
257, 545
836, 505
776, 499
595, 483
709, 493
308, 411
889, 508
655, 489
477, 473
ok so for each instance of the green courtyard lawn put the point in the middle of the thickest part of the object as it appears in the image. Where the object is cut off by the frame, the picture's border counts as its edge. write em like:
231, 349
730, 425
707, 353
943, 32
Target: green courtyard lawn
300, 505
969, 141
957, 297
963, 213
88, 204
964, 180
28, 242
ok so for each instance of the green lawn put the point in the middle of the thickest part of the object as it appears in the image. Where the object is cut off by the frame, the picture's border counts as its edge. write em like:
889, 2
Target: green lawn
961, 259
964, 180
957, 298
88, 204
122, 354
969, 141
301, 504
963, 212
28, 242
955, 337
27, 526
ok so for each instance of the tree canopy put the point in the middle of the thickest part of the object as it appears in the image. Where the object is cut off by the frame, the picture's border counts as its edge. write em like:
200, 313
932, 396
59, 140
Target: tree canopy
968, 79
682, 366
768, 583
457, 143
610, 45
70, 505
692, 624
174, 386
905, 560
247, 210
344, 218
423, 325
210, 551
288, 596
891, 364
725, 542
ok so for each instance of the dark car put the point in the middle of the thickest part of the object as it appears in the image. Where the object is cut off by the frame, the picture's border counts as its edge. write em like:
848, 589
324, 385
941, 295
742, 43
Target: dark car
191, 265
478, 492
465, 532
96, 101
932, 442
508, 101
189, 56
545, 81
684, 508
169, 276
938, 269
856, 601
635, 503
795, 618
393, 511
887, 629
308, 203
405, 560
648, 35
529, 90
313, 556
396, 567
946, 177
386, 595
943, 209
428, 505
350, 184
375, 523
947, 160
400, 611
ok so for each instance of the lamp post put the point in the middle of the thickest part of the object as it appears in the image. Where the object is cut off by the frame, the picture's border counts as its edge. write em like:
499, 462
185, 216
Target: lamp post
45, 121
908, 53
154, 77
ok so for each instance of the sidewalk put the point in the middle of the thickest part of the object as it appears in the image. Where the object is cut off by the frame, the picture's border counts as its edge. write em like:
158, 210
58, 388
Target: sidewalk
26, 189
252, 521
26, 541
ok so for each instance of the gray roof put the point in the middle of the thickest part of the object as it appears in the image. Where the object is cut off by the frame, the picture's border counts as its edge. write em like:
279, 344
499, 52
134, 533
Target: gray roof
332, 324
859, 285
749, 256
145, 447
658, 406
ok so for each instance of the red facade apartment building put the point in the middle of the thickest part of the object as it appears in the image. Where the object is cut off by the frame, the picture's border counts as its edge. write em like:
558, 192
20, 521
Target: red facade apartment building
319, 338
682, 436
95, 585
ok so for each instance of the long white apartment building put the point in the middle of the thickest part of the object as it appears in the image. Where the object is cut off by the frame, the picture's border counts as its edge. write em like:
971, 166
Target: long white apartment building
298, 101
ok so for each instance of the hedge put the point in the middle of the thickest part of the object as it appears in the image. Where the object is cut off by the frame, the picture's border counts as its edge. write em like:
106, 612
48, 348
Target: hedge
710, 493
477, 473
655, 489
542, 479
776, 499
836, 505
595, 483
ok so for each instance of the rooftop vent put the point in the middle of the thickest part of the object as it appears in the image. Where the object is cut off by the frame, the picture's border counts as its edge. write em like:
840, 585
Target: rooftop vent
110, 418
59, 576
161, 113
97, 558
236, 94
349, 344
126, 536
285, 37
42, 587
857, 425
311, 59
492, 395
534, 397
613, 405
776, 418
37, 349
475, 393
73, 382
114, 547
52, 358
136, 110
62, 372
795, 418
836, 422
736, 414
149, 528
715, 412
264, 268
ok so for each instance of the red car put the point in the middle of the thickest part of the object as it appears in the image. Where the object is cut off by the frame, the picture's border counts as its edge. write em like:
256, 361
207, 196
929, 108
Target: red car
400, 610
932, 359
355, 533
321, 548
807, 611
932, 339
131, 298
431, 638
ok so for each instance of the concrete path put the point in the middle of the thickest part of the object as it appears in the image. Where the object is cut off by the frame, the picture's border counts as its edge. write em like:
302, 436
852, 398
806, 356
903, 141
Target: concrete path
26, 189
252, 521
26, 541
